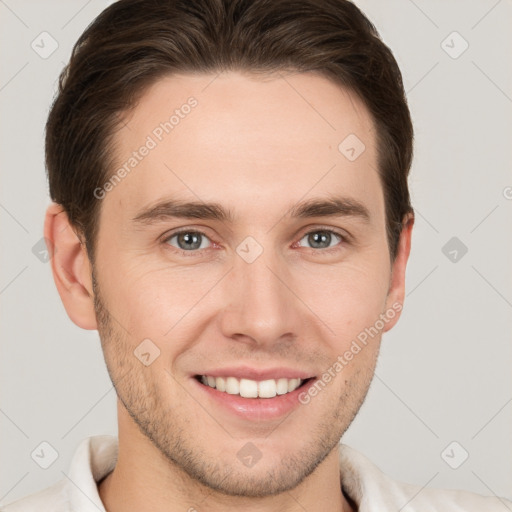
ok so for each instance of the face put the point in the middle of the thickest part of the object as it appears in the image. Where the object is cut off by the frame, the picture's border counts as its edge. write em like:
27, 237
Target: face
243, 250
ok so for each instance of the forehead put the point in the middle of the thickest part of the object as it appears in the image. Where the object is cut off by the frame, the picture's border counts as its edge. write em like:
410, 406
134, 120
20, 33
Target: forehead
239, 137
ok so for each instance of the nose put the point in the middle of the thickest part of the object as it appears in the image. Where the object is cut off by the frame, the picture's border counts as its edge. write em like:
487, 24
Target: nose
261, 308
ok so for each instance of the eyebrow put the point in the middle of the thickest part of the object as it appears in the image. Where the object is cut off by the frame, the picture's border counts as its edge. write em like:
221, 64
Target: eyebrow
325, 207
183, 209
331, 207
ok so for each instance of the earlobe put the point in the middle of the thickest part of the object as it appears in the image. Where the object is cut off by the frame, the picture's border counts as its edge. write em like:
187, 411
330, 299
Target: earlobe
71, 268
396, 293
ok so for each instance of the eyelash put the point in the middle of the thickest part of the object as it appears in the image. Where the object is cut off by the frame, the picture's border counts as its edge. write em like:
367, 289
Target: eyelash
343, 241
181, 251
328, 250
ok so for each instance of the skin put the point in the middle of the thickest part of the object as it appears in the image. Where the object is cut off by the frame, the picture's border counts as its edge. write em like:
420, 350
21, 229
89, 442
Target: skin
256, 147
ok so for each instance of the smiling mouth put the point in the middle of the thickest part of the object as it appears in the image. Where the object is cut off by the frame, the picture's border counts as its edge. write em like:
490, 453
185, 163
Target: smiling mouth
247, 388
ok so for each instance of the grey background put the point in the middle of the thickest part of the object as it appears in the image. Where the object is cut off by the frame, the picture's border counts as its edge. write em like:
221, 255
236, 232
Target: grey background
444, 371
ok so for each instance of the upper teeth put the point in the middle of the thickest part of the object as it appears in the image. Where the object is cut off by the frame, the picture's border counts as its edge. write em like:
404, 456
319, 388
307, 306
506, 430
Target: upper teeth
251, 388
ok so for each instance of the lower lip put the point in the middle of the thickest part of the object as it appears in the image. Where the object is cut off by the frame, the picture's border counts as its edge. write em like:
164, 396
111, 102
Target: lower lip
257, 409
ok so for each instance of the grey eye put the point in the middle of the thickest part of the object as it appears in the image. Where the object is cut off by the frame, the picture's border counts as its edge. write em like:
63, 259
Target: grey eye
189, 241
322, 239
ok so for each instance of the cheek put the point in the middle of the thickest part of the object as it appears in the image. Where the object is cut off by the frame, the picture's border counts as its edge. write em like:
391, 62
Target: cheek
151, 301
348, 297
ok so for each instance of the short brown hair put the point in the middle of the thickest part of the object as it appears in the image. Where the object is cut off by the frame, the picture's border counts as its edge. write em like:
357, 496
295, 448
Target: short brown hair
133, 43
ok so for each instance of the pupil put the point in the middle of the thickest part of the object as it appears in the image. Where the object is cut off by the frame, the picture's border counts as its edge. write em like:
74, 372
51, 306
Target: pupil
189, 241
320, 239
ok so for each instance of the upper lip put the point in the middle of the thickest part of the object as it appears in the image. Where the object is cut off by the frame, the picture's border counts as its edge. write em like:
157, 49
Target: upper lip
246, 372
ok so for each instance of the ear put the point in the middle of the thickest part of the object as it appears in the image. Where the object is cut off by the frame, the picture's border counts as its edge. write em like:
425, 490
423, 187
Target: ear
71, 268
396, 291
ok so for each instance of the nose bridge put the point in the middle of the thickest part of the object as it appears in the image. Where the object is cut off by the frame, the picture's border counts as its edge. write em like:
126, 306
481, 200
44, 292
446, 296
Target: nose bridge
260, 305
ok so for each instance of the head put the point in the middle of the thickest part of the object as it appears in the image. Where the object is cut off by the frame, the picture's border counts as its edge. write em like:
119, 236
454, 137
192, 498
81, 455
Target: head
230, 189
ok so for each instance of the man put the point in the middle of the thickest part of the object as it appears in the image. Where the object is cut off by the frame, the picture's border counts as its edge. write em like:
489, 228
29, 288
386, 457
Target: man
231, 213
